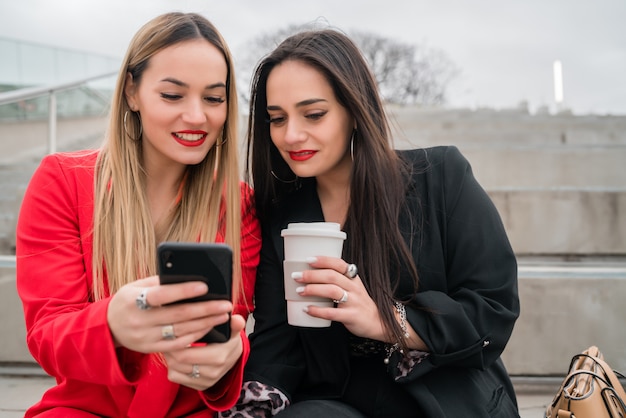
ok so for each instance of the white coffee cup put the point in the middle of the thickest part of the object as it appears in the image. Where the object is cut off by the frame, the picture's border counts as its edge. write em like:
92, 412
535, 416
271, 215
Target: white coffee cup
304, 240
310, 239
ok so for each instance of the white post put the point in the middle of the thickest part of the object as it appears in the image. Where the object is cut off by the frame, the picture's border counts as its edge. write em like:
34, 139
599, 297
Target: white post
52, 123
558, 84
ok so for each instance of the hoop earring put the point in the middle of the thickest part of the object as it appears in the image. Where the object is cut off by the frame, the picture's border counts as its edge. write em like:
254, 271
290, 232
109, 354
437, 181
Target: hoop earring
352, 144
284, 181
126, 130
222, 142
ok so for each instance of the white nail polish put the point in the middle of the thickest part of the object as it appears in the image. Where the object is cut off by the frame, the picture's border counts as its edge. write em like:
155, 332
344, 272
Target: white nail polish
300, 289
296, 275
311, 260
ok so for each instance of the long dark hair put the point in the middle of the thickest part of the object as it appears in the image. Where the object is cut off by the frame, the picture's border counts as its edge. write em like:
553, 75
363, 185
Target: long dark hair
378, 179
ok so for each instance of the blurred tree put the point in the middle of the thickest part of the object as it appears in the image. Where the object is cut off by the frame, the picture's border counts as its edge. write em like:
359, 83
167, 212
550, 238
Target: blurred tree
407, 74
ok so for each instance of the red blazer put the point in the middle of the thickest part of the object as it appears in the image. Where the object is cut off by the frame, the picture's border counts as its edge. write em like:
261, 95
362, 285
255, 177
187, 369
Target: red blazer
68, 335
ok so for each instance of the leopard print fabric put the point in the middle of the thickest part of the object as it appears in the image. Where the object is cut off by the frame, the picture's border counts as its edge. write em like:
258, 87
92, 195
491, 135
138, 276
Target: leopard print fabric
257, 401
408, 362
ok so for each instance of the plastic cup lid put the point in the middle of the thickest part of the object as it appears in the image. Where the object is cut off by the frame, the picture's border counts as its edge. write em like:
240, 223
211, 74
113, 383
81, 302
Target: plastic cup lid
327, 229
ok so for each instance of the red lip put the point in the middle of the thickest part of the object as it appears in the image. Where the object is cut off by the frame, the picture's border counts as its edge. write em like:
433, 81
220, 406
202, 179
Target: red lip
190, 138
301, 155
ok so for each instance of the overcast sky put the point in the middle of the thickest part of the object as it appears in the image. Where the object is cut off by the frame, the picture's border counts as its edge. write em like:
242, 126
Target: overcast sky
505, 49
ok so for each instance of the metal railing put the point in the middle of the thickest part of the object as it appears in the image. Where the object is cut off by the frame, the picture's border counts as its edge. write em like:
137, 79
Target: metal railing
33, 92
7, 261
13, 96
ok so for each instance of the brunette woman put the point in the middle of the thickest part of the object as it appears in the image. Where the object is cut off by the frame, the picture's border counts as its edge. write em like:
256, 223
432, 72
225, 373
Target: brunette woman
419, 331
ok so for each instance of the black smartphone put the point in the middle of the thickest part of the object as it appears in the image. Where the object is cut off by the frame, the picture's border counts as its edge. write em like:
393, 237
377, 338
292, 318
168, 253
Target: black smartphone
211, 263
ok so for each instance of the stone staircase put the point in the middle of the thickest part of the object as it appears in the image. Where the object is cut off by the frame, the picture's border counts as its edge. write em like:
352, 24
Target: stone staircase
22, 145
558, 181
13, 180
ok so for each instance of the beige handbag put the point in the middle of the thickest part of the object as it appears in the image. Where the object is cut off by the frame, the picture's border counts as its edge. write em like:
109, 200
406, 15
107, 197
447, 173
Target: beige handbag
591, 389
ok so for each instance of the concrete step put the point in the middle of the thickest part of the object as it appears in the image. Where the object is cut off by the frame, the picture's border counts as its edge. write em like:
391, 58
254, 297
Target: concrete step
22, 146
555, 197
28, 140
564, 221
13, 181
517, 150
566, 306
21, 387
548, 167
539, 221
515, 127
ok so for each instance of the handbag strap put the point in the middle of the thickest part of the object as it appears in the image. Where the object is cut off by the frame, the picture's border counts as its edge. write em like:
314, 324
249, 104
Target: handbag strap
594, 351
593, 357
612, 378
591, 363
614, 402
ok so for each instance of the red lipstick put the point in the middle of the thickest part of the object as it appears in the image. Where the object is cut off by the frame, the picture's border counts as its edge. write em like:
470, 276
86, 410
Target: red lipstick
190, 138
301, 155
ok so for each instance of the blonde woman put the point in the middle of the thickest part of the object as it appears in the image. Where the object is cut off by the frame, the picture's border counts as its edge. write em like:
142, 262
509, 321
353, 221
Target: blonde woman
90, 223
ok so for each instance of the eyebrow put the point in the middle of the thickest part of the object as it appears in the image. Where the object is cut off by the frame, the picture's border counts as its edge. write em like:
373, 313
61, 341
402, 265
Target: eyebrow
299, 104
182, 84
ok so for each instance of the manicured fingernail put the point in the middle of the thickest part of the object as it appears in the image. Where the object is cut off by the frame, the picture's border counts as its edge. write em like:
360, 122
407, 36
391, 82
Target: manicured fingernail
300, 289
296, 275
201, 287
305, 309
311, 260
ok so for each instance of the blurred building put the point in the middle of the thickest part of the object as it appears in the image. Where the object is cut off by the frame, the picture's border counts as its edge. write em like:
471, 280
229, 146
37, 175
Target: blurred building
26, 64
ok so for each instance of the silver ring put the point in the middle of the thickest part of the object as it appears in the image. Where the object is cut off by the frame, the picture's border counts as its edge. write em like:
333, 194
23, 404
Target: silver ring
343, 299
141, 301
167, 332
351, 271
195, 371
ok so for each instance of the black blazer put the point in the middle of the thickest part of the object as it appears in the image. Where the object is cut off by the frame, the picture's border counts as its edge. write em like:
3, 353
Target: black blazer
464, 310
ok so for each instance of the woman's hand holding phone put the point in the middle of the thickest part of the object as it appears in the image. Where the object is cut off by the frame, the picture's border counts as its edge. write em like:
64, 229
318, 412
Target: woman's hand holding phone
210, 362
188, 304
147, 331
198, 366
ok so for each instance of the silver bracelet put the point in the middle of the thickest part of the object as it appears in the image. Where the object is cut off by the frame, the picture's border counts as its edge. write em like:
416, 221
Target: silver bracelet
392, 348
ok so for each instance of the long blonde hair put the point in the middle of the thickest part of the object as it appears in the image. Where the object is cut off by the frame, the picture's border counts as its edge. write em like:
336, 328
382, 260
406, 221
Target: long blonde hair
125, 240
